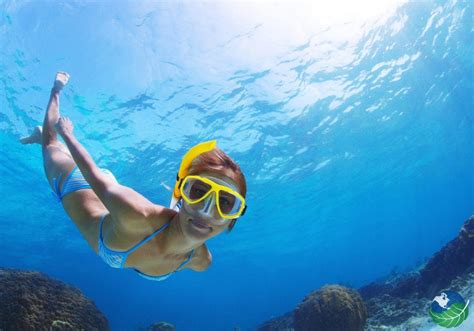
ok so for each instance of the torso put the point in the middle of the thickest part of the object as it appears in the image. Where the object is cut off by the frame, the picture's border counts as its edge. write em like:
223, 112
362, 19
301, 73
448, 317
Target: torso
85, 209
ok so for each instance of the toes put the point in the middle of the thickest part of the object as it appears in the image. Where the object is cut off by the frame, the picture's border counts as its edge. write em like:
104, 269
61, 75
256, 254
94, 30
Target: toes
62, 76
61, 80
63, 73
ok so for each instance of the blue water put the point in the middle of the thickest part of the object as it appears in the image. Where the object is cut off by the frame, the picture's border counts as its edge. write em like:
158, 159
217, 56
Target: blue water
353, 125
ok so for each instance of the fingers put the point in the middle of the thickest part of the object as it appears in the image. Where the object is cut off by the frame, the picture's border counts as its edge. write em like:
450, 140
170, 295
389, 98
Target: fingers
64, 126
65, 119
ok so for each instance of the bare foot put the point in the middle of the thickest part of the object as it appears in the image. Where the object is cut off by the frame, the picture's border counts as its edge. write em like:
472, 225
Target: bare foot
34, 137
60, 81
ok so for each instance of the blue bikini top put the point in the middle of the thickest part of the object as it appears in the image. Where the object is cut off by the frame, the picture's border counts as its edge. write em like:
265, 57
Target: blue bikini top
117, 259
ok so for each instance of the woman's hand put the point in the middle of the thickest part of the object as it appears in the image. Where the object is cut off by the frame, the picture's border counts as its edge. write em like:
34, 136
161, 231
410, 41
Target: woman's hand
64, 126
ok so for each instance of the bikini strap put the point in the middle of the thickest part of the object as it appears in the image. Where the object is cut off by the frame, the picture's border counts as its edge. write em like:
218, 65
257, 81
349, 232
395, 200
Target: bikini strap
147, 239
185, 262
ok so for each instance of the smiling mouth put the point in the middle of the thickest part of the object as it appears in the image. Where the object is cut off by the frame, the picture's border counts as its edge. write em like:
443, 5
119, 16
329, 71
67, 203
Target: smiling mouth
199, 224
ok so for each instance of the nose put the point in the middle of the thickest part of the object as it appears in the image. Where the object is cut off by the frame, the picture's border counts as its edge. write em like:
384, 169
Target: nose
209, 204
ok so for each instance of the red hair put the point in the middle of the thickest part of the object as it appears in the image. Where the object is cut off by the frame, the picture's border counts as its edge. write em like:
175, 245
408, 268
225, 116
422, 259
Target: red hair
219, 162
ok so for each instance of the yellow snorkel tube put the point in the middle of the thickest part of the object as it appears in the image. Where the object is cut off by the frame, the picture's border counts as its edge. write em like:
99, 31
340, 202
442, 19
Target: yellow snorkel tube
188, 158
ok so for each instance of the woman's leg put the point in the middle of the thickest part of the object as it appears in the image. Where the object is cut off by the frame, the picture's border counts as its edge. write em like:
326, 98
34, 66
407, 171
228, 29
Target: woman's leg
56, 158
83, 206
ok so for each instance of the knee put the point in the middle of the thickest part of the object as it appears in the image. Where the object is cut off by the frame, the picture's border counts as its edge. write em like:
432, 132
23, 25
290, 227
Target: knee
56, 152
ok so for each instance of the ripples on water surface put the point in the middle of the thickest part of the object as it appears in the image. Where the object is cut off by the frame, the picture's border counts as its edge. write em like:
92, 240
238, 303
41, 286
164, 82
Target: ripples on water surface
353, 126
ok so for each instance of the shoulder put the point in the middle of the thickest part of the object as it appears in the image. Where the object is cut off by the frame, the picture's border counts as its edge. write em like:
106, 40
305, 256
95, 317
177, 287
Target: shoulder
139, 227
121, 235
202, 259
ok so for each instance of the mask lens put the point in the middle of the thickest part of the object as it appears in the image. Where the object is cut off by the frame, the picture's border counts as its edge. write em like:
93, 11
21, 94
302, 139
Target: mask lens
227, 202
195, 189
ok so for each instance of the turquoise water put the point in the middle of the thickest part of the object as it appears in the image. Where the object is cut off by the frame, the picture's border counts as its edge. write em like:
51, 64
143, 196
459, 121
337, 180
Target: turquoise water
353, 125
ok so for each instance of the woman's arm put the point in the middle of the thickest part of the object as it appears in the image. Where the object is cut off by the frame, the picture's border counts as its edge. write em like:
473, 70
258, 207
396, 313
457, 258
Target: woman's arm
123, 203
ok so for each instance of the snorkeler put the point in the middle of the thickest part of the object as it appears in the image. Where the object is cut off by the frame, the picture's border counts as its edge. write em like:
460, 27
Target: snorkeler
123, 227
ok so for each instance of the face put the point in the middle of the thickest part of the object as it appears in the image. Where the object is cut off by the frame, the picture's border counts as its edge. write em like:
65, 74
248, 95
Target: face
202, 221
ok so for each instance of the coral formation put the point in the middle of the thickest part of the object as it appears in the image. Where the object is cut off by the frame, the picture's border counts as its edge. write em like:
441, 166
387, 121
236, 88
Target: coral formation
332, 307
282, 323
59, 325
32, 301
160, 326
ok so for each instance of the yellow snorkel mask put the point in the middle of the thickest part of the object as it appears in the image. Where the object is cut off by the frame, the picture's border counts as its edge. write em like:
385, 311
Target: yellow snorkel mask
197, 191
194, 189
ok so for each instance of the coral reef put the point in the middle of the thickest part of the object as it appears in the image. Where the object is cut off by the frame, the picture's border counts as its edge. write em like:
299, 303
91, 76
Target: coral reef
332, 307
32, 301
399, 303
60, 326
420, 320
160, 326
405, 297
453, 260
282, 323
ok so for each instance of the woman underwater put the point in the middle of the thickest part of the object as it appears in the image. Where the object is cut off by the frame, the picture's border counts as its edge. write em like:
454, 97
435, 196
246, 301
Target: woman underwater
123, 227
